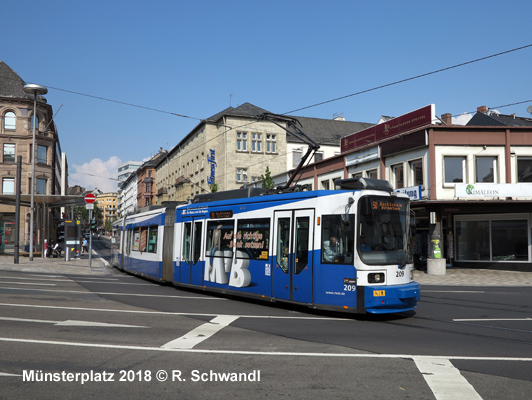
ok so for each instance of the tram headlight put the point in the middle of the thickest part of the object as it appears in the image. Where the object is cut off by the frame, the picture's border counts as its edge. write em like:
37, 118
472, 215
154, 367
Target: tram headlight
377, 277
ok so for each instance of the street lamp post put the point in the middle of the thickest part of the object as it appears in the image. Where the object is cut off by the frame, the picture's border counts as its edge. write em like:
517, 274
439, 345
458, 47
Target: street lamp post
34, 89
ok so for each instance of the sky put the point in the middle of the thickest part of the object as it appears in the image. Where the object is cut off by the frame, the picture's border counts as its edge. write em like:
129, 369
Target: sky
126, 79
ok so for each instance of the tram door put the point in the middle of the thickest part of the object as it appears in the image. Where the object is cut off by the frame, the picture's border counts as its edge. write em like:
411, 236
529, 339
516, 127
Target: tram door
191, 271
292, 253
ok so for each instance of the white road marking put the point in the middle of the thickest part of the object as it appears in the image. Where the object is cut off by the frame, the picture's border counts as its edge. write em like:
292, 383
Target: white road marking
111, 281
29, 283
171, 313
445, 380
491, 319
116, 294
35, 279
201, 333
454, 291
259, 353
6, 374
72, 323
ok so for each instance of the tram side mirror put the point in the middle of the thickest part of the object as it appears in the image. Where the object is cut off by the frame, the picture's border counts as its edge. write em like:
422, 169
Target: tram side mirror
345, 217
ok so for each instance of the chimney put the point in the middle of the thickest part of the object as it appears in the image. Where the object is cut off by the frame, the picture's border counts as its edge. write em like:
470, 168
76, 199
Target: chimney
447, 118
482, 109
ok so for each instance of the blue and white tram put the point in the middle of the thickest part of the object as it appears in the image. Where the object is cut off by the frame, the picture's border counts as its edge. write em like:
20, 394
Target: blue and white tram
346, 249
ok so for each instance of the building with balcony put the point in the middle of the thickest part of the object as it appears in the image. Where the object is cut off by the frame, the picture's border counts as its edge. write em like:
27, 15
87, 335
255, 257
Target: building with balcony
146, 190
107, 202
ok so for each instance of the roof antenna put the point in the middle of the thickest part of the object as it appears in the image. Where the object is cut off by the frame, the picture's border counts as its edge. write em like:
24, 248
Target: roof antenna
231, 95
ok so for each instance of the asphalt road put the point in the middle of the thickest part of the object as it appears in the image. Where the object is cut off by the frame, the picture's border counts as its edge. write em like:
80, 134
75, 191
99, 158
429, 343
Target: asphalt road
115, 335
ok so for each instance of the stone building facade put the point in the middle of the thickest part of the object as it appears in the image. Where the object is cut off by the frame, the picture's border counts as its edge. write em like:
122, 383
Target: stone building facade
16, 134
233, 148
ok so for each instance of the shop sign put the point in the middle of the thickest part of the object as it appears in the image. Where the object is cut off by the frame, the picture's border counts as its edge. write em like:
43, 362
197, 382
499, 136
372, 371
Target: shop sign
491, 190
394, 127
413, 192
211, 160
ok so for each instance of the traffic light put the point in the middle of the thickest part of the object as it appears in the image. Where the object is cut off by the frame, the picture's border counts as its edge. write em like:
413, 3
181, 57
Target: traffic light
93, 223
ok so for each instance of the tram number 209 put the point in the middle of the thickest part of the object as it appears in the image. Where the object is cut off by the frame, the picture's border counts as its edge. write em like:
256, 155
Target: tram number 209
350, 288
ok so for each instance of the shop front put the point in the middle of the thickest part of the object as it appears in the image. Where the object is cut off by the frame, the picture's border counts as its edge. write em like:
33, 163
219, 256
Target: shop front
492, 234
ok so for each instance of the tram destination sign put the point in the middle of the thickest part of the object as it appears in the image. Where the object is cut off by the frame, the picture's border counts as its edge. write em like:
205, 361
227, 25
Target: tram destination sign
221, 214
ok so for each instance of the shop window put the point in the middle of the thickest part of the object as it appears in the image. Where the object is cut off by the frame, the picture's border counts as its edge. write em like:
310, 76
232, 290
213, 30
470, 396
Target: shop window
454, 169
493, 238
524, 169
485, 169
416, 169
10, 121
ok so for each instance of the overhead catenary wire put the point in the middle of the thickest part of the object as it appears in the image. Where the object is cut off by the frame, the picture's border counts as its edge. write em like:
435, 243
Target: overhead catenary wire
409, 79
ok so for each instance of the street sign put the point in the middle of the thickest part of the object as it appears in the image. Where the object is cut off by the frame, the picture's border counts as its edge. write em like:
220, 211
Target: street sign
90, 198
89, 206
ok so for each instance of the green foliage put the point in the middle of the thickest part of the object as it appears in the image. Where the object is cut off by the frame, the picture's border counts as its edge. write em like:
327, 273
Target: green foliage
81, 213
267, 180
214, 187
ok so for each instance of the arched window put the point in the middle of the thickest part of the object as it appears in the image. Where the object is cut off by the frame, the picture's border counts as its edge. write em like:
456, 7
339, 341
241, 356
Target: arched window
37, 123
10, 120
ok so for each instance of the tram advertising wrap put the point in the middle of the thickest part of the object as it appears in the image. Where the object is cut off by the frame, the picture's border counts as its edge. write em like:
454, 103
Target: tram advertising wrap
347, 250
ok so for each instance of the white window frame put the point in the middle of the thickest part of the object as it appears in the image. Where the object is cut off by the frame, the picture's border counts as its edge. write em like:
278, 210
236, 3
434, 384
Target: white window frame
256, 142
464, 170
242, 141
411, 165
271, 143
494, 166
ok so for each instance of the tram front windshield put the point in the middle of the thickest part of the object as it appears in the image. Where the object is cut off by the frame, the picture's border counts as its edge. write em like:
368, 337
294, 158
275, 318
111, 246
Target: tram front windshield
383, 230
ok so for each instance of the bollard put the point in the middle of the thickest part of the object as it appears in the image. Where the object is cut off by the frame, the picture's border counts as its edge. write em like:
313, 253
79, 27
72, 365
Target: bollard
67, 254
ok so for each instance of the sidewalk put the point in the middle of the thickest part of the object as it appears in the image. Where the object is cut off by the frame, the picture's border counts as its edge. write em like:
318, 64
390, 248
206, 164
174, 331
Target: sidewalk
57, 265
452, 277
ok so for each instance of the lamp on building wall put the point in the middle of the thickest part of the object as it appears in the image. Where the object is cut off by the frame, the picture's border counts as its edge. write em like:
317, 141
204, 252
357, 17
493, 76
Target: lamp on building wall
35, 90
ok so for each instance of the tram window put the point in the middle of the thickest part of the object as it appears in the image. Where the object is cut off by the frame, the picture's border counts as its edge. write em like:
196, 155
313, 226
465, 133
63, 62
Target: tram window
197, 241
187, 234
283, 243
141, 240
252, 238
219, 237
152, 239
383, 227
136, 241
337, 239
128, 241
301, 243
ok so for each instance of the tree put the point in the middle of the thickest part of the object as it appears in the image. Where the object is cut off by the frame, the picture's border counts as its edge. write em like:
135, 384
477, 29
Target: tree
267, 180
214, 187
82, 214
